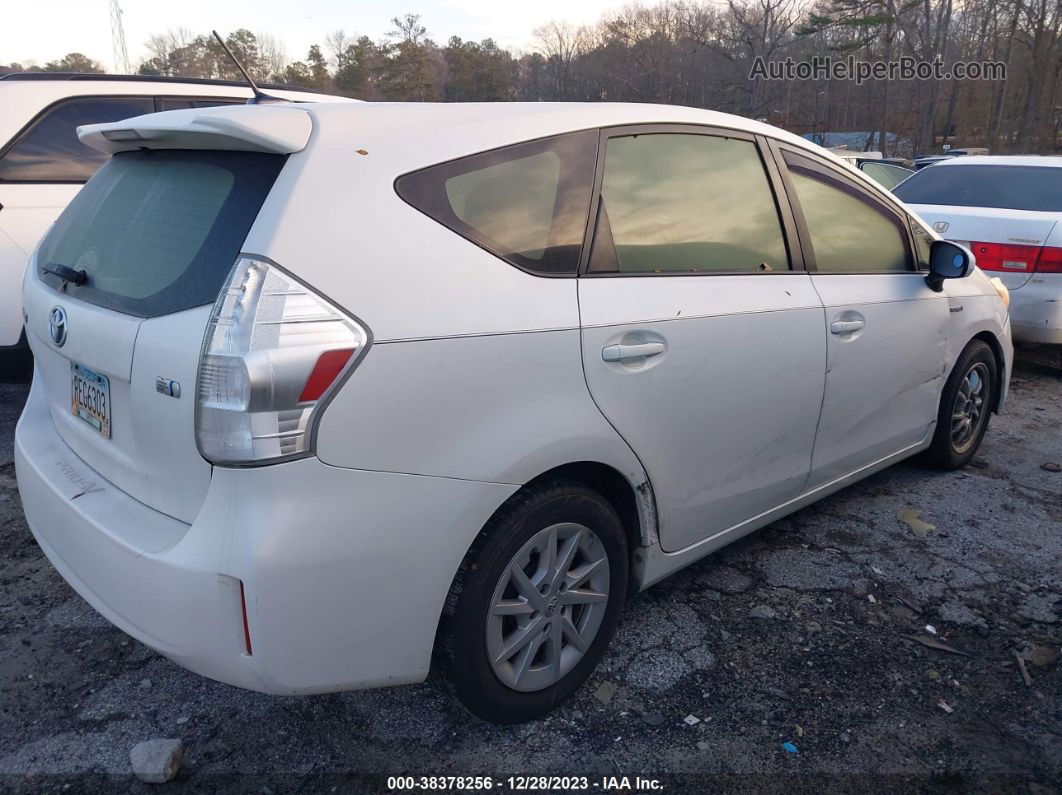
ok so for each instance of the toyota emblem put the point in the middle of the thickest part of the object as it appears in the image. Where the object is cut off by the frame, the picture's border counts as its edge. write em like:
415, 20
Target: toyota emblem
57, 326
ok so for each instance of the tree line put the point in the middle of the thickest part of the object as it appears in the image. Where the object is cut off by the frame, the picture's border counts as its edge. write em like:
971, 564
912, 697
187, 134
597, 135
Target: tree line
691, 52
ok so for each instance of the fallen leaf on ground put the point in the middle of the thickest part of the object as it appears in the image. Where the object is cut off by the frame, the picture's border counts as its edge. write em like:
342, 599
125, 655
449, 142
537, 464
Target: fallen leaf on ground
1040, 656
918, 527
944, 706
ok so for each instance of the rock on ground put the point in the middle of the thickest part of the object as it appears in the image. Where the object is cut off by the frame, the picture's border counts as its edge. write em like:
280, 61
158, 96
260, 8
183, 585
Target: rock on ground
156, 761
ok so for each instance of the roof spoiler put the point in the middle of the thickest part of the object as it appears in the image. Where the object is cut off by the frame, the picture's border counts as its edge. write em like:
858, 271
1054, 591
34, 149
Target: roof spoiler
280, 129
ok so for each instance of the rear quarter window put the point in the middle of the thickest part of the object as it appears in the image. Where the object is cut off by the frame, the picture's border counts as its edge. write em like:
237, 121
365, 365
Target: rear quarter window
157, 232
526, 203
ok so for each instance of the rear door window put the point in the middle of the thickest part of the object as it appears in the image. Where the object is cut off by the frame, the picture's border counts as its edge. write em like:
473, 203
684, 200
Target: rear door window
49, 149
158, 231
526, 203
686, 203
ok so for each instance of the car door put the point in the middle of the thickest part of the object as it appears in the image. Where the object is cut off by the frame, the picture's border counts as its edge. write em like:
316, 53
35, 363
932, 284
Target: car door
41, 170
702, 341
885, 328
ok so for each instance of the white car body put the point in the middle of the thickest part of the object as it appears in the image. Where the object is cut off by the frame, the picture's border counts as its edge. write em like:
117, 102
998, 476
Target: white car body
1035, 292
329, 570
29, 206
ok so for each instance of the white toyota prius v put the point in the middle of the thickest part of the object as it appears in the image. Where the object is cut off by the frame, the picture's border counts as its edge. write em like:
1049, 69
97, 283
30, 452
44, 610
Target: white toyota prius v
327, 394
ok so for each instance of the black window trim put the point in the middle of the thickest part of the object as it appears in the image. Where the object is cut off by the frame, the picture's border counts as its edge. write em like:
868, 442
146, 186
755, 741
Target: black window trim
29, 126
787, 222
844, 181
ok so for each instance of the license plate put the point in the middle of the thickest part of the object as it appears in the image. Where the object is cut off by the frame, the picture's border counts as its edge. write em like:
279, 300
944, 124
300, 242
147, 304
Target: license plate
90, 398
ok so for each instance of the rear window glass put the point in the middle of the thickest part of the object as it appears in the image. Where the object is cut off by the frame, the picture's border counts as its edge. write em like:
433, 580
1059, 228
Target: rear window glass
526, 203
1008, 187
158, 231
50, 151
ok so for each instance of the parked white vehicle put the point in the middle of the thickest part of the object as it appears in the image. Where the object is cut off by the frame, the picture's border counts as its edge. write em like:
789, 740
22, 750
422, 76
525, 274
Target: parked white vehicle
43, 164
323, 390
1008, 211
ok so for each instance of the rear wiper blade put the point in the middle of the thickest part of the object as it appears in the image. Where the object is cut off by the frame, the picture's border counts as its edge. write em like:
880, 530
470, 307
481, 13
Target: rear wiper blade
65, 273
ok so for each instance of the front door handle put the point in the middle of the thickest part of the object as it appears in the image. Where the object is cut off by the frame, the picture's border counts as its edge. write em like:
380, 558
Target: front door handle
623, 353
846, 326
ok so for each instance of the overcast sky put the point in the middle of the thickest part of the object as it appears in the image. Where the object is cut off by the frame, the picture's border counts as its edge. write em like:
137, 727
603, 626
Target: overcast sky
44, 30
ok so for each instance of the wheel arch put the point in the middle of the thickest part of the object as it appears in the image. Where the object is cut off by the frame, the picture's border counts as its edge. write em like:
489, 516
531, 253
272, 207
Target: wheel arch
635, 505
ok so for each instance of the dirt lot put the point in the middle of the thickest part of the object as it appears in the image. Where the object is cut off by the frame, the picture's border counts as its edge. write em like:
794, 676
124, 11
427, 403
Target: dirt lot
798, 634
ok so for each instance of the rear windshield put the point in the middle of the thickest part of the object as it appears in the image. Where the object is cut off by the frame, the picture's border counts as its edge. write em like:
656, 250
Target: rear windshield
157, 232
1008, 187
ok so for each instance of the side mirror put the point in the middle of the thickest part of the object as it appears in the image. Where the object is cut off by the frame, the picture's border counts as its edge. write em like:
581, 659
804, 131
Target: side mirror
948, 260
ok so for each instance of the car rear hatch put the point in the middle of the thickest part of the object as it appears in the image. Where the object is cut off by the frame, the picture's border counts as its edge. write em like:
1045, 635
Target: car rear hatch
119, 292
1004, 213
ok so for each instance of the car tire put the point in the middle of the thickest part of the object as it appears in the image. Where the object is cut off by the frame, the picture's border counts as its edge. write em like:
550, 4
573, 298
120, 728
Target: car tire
968, 397
492, 607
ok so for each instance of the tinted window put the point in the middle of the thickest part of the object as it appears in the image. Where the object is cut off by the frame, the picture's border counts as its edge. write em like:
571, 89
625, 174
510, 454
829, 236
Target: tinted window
49, 151
1009, 187
526, 203
885, 175
686, 203
157, 231
850, 231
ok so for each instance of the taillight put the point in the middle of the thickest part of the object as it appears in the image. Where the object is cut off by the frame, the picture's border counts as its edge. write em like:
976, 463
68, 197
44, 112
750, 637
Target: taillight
273, 351
1050, 260
1005, 257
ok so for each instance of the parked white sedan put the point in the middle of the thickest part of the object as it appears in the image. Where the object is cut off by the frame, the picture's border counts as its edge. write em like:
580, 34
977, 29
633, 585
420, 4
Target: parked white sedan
323, 390
1008, 211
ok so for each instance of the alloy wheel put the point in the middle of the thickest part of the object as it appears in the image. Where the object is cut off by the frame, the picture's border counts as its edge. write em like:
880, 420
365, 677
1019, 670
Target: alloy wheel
969, 410
547, 607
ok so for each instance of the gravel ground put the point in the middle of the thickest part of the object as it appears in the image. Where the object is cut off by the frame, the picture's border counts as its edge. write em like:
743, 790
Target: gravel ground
799, 634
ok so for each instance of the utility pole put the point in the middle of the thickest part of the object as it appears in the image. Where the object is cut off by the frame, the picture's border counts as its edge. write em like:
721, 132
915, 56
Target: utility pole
121, 54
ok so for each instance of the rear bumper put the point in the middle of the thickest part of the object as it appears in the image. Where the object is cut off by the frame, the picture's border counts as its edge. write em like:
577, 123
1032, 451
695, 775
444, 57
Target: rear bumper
344, 571
1036, 311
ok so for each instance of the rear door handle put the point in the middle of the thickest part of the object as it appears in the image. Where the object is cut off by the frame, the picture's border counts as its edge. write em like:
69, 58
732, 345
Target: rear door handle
846, 326
622, 353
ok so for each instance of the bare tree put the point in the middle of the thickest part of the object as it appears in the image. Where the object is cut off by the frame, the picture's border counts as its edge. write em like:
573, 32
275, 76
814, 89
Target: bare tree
272, 57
